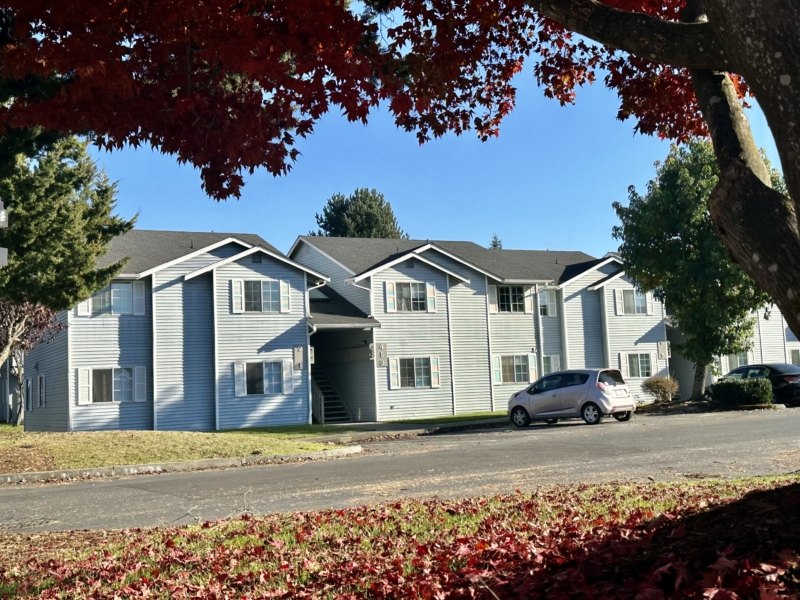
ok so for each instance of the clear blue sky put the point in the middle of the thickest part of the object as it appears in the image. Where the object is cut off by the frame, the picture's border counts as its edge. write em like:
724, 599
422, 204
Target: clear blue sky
547, 182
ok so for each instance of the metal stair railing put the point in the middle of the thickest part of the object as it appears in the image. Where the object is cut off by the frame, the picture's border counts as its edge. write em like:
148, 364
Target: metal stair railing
335, 389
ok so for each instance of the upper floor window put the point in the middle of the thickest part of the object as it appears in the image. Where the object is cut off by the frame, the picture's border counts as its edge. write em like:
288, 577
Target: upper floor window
633, 302
510, 298
260, 295
119, 298
547, 303
410, 296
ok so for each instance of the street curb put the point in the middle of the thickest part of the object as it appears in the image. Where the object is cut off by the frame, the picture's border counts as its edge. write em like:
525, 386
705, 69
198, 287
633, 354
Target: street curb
171, 467
401, 433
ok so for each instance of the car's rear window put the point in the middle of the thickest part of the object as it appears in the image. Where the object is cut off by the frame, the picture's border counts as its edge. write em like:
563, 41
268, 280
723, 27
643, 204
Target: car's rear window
611, 377
784, 369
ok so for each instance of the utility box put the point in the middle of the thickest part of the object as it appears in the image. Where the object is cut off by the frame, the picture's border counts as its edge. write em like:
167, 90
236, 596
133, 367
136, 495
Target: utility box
298, 358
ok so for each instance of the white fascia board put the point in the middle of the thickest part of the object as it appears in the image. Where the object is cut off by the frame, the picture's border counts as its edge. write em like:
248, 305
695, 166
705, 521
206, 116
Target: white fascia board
193, 254
405, 257
128, 276
325, 254
346, 326
603, 263
602, 284
248, 252
528, 281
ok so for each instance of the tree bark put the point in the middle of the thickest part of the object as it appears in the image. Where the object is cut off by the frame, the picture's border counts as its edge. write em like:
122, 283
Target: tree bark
699, 383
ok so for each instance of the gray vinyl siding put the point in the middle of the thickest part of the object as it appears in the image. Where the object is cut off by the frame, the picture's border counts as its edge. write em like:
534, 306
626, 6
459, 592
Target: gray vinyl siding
635, 334
345, 358
413, 335
584, 320
49, 360
469, 337
552, 334
184, 345
260, 337
313, 259
769, 336
109, 341
512, 334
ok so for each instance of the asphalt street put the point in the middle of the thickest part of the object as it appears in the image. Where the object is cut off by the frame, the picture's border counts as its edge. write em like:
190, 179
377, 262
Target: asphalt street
452, 465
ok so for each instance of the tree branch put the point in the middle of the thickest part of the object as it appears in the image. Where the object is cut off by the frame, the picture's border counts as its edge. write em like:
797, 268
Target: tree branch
682, 45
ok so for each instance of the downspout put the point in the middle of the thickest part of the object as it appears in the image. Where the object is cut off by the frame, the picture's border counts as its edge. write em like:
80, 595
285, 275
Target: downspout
564, 335
375, 343
539, 337
489, 341
216, 347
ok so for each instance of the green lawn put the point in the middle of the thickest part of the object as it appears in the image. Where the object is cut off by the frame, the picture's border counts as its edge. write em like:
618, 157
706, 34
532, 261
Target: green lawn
29, 451
456, 418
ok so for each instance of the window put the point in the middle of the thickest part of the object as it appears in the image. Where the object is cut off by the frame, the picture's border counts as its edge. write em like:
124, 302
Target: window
510, 298
411, 297
737, 360
121, 384
611, 377
547, 384
28, 394
515, 369
757, 372
101, 302
639, 365
418, 372
796, 357
737, 374
573, 379
261, 296
257, 379
102, 385
551, 364
632, 302
121, 299
117, 299
547, 304
41, 395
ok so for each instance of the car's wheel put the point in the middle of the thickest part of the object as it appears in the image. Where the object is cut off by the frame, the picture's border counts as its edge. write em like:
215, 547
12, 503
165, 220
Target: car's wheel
520, 417
592, 414
551, 421
624, 416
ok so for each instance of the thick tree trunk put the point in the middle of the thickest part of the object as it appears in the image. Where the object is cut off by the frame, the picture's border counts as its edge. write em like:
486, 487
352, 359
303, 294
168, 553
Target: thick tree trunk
699, 383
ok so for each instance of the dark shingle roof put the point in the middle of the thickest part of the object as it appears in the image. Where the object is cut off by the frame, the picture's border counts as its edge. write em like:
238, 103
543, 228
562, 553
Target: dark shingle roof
337, 311
363, 254
148, 248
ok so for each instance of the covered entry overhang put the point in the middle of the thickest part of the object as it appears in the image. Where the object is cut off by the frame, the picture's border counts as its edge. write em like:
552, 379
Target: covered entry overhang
343, 370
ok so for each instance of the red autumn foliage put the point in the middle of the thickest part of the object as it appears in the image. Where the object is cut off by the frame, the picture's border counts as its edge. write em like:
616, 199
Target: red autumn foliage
542, 545
229, 86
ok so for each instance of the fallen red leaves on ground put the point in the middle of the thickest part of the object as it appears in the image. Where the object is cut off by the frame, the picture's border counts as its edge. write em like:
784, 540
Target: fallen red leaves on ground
719, 541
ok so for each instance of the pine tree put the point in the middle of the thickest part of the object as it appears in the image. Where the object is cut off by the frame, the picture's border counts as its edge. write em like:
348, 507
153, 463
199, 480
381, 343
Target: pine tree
60, 223
496, 243
365, 213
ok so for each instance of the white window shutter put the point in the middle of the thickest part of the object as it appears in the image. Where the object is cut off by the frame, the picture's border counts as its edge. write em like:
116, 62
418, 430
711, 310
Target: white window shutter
497, 371
140, 384
288, 381
552, 307
555, 361
42, 392
240, 379
618, 302
237, 296
85, 308
285, 297
751, 358
435, 372
84, 386
623, 364
532, 368
528, 291
649, 303
138, 298
430, 293
394, 373
653, 364
492, 298
391, 303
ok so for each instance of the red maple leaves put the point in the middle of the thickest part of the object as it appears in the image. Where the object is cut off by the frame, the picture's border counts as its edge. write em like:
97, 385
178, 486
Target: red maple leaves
229, 86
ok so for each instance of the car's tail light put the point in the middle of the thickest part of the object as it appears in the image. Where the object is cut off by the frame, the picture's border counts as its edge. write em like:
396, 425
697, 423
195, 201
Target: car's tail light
601, 385
792, 379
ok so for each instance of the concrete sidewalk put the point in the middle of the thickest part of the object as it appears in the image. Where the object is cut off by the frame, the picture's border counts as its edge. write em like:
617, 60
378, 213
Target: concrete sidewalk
372, 431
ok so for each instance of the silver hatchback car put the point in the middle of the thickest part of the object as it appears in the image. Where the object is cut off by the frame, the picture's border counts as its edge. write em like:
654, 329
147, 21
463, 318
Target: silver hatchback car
587, 393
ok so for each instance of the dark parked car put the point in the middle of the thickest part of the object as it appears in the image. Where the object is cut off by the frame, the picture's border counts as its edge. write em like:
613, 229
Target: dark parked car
785, 379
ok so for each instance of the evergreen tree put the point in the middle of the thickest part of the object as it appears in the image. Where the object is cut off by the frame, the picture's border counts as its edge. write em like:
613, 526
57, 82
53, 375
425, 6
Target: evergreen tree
496, 243
60, 223
364, 213
669, 245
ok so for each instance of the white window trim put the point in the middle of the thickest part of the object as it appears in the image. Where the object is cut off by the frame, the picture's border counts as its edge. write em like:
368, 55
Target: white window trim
624, 365
497, 368
136, 371
284, 294
394, 369
240, 378
494, 299
393, 306
121, 285
619, 303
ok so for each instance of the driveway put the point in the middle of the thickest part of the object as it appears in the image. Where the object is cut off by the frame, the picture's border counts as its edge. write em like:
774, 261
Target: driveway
468, 463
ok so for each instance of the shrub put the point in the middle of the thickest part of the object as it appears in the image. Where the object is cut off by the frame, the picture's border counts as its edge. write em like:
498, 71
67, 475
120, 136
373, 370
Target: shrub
663, 388
741, 392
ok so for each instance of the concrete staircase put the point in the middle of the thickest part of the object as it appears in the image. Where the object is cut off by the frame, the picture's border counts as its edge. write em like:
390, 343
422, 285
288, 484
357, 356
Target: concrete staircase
334, 407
